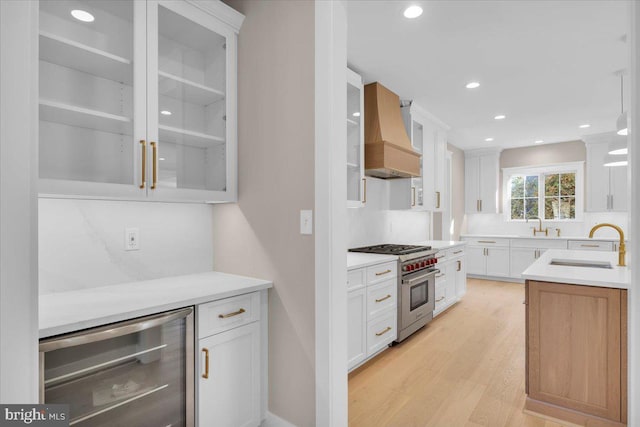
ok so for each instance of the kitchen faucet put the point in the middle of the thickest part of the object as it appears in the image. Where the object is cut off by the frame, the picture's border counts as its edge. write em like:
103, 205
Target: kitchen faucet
622, 250
540, 230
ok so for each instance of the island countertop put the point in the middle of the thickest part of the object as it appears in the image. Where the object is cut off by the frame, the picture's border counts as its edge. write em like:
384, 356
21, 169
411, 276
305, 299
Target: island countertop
615, 277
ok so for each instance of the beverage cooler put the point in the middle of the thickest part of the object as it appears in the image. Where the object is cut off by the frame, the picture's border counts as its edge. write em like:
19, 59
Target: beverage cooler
134, 373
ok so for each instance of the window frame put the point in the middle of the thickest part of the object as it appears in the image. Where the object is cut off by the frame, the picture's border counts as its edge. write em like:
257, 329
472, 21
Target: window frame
540, 171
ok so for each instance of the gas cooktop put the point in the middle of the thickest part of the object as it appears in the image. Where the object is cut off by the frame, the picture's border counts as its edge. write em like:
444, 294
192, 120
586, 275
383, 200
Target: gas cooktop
391, 249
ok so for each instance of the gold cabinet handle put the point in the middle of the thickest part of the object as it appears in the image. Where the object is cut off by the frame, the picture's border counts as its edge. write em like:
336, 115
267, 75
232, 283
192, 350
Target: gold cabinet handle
383, 298
457, 252
364, 192
437, 199
387, 329
486, 241
478, 205
590, 246
440, 275
440, 299
143, 181
235, 313
383, 272
154, 148
459, 265
413, 196
206, 363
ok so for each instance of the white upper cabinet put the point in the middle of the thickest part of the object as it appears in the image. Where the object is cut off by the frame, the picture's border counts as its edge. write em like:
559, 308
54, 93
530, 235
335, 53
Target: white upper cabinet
356, 183
138, 101
606, 187
482, 174
429, 138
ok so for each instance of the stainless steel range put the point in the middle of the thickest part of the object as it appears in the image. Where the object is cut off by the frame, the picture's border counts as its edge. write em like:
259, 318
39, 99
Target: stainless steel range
416, 284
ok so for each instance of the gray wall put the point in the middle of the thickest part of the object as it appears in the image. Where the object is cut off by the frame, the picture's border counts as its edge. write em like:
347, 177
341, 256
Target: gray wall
457, 191
259, 236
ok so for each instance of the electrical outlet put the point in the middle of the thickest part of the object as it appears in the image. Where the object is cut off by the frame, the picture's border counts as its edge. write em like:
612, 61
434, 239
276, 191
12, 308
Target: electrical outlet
131, 239
306, 222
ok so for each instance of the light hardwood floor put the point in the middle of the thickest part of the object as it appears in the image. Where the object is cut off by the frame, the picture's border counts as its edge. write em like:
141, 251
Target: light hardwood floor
466, 368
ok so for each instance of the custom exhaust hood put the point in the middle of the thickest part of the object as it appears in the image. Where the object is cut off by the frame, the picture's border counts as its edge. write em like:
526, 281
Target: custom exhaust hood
387, 150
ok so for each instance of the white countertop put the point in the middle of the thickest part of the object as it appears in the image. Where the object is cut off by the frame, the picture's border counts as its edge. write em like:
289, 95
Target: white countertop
514, 236
616, 277
75, 310
359, 259
441, 244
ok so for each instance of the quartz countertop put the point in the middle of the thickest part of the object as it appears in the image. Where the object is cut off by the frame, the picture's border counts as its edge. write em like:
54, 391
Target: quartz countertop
616, 277
359, 259
65, 312
441, 244
514, 236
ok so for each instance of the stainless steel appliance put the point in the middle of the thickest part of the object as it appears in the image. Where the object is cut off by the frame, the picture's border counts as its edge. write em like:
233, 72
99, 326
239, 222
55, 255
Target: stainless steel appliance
134, 373
416, 284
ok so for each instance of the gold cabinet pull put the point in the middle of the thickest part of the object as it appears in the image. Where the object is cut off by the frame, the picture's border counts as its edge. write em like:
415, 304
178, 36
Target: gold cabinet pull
486, 241
457, 252
143, 181
383, 272
364, 192
437, 199
478, 205
589, 246
459, 265
383, 298
206, 363
440, 275
413, 196
235, 313
154, 148
439, 299
387, 329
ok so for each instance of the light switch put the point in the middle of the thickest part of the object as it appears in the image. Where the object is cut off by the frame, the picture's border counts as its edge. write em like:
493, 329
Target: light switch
306, 222
131, 239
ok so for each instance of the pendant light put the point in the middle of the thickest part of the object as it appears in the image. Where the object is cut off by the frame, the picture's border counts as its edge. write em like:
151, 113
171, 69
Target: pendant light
618, 146
621, 123
614, 161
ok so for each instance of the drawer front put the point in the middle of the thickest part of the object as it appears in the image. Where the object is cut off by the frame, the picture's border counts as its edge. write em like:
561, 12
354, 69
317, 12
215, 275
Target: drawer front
487, 242
380, 272
381, 332
540, 243
456, 252
356, 278
590, 245
441, 296
381, 297
441, 278
442, 255
219, 316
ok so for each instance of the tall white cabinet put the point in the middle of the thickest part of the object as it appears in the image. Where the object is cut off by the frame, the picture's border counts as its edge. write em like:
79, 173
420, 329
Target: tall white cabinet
482, 176
606, 187
356, 183
138, 100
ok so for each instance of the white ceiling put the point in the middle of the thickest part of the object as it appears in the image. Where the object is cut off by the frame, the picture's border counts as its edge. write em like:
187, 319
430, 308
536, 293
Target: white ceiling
549, 66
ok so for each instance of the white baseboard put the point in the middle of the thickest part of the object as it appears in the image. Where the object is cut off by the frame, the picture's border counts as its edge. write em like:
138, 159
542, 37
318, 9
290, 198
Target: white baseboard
273, 420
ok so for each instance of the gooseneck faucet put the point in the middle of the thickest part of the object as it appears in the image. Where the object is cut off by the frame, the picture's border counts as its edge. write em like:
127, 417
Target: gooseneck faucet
622, 250
539, 230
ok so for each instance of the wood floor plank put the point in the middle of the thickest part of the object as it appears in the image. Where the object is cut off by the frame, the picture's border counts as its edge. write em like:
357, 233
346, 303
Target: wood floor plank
466, 368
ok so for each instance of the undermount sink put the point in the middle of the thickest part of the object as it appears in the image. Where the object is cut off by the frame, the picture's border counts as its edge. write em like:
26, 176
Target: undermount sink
580, 263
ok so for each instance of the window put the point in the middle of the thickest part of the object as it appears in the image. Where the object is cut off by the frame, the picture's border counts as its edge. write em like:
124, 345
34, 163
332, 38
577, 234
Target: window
549, 192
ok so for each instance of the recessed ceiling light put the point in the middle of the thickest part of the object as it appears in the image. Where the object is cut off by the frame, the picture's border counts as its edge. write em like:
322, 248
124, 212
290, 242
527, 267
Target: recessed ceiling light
538, 141
584, 126
412, 12
356, 114
162, 158
500, 117
165, 112
472, 85
488, 139
82, 15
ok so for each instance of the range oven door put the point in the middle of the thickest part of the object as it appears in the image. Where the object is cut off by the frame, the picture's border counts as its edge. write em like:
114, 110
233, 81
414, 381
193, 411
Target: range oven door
418, 296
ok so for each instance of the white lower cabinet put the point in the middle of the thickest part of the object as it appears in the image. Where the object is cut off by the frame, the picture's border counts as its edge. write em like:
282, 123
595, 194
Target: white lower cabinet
451, 281
521, 259
460, 273
356, 326
229, 363
488, 257
372, 311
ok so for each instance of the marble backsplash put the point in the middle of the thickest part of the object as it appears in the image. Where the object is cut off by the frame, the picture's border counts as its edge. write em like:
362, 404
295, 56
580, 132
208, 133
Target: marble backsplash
81, 242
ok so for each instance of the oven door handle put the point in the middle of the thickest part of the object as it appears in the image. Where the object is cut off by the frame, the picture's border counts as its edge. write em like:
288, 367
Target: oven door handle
420, 278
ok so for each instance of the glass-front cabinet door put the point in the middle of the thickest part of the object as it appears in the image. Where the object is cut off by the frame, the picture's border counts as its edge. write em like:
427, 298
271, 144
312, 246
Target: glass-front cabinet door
190, 120
91, 97
356, 184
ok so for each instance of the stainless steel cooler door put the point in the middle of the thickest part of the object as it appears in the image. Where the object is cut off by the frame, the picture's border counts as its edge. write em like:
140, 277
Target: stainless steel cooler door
135, 373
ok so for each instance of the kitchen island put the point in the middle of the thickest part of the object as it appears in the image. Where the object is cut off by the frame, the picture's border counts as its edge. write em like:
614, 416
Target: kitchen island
576, 337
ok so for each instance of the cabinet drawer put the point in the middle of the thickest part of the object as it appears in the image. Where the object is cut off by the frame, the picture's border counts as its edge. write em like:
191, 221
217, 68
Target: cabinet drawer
380, 272
487, 241
381, 332
590, 245
381, 297
540, 243
356, 278
218, 316
442, 255
456, 252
